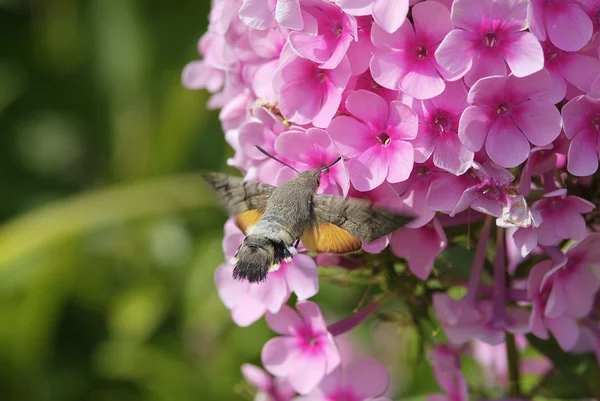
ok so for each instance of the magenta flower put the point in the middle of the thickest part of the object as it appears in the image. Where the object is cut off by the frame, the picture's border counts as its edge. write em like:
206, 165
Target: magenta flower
488, 34
438, 130
405, 59
564, 22
262, 14
358, 380
447, 189
365, 81
414, 192
375, 139
420, 246
446, 369
388, 14
561, 217
541, 160
307, 93
328, 34
508, 113
582, 125
312, 149
306, 352
269, 388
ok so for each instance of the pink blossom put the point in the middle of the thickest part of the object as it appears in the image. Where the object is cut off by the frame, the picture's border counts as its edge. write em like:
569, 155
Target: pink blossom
581, 117
388, 14
262, 14
414, 193
446, 369
359, 380
327, 34
561, 217
365, 81
306, 352
375, 139
488, 34
360, 51
420, 246
269, 388
307, 93
447, 189
564, 22
438, 130
313, 149
508, 113
267, 45
541, 160
405, 59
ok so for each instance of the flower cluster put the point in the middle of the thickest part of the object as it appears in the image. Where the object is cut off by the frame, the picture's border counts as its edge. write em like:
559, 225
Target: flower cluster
480, 117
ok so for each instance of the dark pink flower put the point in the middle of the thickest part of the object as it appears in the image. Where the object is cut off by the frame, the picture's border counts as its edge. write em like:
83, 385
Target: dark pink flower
262, 14
405, 59
564, 22
306, 352
581, 117
375, 139
488, 34
388, 14
269, 388
507, 113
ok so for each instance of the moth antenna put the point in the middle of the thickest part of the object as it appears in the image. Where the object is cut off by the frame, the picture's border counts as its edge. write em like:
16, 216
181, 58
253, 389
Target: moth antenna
274, 158
330, 164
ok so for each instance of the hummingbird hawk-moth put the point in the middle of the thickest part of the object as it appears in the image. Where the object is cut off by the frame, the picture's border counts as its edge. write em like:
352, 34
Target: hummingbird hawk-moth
274, 219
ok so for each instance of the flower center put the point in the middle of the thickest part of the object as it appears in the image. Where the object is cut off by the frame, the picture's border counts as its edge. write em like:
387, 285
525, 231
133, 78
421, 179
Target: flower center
490, 39
423, 171
384, 138
492, 189
502, 109
322, 77
596, 123
442, 124
421, 52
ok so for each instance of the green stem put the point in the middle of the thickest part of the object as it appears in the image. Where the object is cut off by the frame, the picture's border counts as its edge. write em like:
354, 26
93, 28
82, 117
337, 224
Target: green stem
514, 375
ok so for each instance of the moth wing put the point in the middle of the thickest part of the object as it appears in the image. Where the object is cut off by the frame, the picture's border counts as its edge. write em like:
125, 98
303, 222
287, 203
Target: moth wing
329, 238
248, 219
238, 196
359, 217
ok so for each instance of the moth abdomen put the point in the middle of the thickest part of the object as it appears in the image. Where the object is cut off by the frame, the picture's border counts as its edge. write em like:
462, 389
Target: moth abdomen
257, 256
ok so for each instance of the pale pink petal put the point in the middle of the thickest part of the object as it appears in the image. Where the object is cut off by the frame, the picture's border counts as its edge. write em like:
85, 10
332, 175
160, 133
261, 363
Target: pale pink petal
302, 277
398, 40
523, 54
280, 356
558, 87
445, 192
583, 156
313, 47
258, 14
423, 81
580, 70
468, 14
272, 293
400, 158
312, 316
475, 123
247, 311
486, 64
357, 7
368, 107
570, 225
350, 136
308, 371
565, 330
489, 91
332, 354
453, 99
452, 156
288, 14
231, 291
369, 169
367, 377
556, 306
256, 377
390, 14
525, 240
432, 21
300, 101
539, 120
466, 199
424, 143
357, 51
296, 145
457, 42
581, 286
389, 67
403, 122
285, 322
330, 105
569, 27
520, 90
505, 144
576, 115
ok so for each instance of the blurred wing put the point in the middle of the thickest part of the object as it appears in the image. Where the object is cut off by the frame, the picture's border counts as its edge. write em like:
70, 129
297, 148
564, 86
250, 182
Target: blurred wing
248, 219
329, 238
358, 217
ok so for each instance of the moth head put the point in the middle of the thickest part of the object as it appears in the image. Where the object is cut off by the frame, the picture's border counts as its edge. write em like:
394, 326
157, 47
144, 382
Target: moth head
253, 263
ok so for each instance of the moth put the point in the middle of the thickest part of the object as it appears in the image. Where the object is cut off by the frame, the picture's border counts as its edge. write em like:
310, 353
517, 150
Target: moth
275, 219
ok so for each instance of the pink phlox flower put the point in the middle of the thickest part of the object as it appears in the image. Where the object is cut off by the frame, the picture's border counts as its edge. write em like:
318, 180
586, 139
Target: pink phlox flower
565, 23
360, 51
405, 59
326, 36
223, 17
438, 130
489, 33
267, 45
526, 238
414, 191
269, 388
446, 369
262, 14
420, 246
366, 82
306, 352
376, 139
564, 328
447, 189
249, 302
541, 160
308, 93
507, 113
359, 380
388, 14
312, 149
578, 69
581, 117
561, 217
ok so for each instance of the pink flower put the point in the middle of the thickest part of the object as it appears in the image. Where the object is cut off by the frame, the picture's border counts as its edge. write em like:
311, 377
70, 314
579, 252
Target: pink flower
508, 113
561, 217
269, 388
306, 352
438, 130
446, 369
414, 192
388, 14
327, 35
375, 139
307, 93
313, 149
365, 81
564, 22
541, 160
359, 380
405, 59
262, 14
582, 125
420, 246
447, 189
489, 34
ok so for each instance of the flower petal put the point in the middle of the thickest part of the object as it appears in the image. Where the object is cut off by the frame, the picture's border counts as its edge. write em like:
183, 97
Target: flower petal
288, 14
369, 169
369, 108
367, 377
390, 14
431, 21
569, 27
474, 125
583, 156
285, 322
257, 14
389, 67
309, 370
400, 156
451, 155
539, 120
312, 316
300, 101
302, 277
350, 136
523, 54
280, 356
422, 81
565, 330
456, 42
247, 311
576, 115
486, 64
506, 145
256, 377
